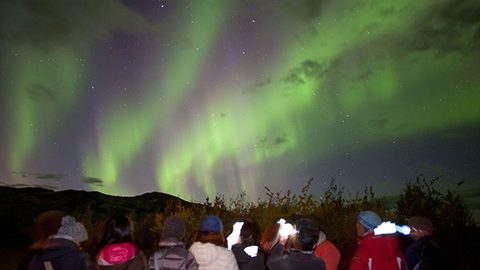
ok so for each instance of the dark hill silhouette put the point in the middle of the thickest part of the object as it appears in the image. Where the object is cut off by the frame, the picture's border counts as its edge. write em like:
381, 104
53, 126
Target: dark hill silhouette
20, 206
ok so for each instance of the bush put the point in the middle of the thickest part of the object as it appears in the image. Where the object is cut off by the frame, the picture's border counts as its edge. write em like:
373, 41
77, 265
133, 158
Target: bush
333, 212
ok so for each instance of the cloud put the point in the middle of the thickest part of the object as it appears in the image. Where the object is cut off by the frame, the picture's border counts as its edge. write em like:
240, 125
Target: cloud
389, 11
258, 86
263, 83
306, 9
294, 78
364, 76
22, 174
309, 69
93, 181
270, 143
447, 27
381, 123
53, 176
39, 92
300, 10
47, 24
278, 141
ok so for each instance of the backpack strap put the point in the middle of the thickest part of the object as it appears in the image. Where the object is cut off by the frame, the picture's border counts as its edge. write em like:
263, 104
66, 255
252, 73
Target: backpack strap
48, 265
155, 260
157, 256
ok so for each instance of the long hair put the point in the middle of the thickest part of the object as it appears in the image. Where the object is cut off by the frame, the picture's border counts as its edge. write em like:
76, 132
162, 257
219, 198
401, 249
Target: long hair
118, 229
215, 238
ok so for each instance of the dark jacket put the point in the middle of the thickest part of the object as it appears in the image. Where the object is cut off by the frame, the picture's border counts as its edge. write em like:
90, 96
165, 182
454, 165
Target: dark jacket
427, 254
245, 261
172, 254
62, 254
293, 260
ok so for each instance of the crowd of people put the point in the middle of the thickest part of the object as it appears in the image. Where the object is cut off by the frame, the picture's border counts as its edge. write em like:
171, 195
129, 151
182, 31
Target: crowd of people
301, 245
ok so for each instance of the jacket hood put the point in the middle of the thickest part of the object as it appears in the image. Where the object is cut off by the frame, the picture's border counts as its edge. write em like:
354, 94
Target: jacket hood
116, 254
321, 237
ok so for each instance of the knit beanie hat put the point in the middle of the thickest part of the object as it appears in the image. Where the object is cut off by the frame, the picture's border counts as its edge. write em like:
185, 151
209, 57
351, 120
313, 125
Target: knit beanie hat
173, 226
72, 229
421, 223
369, 219
211, 224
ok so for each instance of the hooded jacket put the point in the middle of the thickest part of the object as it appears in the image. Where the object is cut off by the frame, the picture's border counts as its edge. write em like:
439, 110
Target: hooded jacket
377, 252
61, 254
327, 251
172, 254
213, 257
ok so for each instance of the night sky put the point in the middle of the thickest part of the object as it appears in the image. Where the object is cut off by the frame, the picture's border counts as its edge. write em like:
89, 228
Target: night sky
198, 98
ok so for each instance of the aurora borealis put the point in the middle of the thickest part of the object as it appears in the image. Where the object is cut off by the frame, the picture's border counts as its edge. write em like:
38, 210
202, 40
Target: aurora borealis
195, 98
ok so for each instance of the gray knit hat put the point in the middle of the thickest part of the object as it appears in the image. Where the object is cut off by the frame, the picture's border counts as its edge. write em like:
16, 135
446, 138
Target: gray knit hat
173, 226
72, 229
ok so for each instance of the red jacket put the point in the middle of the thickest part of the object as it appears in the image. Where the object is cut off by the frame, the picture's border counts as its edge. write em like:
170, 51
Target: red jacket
329, 254
377, 252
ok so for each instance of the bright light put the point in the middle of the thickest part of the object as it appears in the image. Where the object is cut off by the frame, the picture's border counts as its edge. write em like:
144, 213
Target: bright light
388, 227
286, 229
252, 251
233, 238
405, 230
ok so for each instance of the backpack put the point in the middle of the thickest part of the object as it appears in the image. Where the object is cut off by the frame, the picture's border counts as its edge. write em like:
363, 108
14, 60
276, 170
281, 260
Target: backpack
165, 260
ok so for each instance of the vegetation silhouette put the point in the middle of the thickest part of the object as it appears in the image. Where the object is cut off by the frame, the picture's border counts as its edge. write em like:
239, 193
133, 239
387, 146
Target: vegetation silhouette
333, 211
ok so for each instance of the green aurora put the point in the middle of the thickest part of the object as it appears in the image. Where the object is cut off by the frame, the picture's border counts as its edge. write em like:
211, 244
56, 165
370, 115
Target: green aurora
195, 98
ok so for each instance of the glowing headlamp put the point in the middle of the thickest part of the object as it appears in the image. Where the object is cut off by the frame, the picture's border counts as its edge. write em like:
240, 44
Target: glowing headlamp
388, 227
252, 251
232, 239
286, 229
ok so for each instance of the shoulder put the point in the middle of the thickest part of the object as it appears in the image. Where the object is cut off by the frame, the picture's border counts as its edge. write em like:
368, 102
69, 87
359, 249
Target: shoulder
326, 246
379, 240
178, 250
204, 249
225, 251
